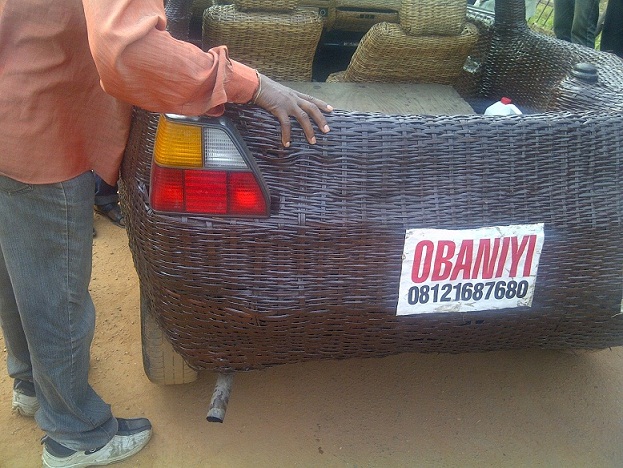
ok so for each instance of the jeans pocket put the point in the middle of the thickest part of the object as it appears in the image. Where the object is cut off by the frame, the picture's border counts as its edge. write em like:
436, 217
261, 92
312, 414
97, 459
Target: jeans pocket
13, 187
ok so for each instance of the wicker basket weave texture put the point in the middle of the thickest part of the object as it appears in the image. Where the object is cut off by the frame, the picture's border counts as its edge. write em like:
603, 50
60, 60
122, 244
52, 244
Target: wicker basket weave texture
433, 17
469, 83
387, 54
279, 45
544, 60
342, 198
266, 5
360, 15
560, 168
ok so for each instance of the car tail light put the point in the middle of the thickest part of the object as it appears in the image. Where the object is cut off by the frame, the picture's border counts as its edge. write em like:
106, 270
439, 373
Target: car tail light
202, 166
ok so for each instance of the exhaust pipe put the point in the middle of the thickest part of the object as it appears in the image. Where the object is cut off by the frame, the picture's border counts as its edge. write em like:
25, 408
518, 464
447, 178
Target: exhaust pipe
220, 398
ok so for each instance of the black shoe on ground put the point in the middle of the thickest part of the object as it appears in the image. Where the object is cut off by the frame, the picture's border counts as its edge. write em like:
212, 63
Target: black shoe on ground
112, 211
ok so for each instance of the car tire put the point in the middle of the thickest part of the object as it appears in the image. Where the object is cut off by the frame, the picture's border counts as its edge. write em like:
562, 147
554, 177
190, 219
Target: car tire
163, 365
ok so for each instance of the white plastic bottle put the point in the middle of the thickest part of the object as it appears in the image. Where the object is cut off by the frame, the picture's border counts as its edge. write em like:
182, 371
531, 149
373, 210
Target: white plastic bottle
503, 107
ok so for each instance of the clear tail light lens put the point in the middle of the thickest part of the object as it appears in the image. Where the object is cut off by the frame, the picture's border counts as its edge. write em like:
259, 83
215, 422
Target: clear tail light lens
202, 166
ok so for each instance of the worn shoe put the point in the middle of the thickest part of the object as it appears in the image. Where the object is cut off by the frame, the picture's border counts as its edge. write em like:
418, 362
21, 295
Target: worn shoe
25, 401
112, 211
131, 437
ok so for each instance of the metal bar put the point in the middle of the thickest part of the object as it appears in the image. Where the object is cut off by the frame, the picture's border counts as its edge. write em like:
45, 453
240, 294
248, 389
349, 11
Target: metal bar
220, 397
545, 10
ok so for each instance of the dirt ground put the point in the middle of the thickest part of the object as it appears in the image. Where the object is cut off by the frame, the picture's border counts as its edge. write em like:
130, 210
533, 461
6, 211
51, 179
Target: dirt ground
503, 409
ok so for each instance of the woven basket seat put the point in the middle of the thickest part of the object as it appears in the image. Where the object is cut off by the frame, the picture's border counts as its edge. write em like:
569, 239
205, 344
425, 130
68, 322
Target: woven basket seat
366, 4
279, 45
266, 5
387, 54
433, 17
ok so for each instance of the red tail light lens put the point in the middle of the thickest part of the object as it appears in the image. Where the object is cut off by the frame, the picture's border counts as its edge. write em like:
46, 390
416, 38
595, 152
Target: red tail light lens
169, 195
206, 191
227, 183
245, 194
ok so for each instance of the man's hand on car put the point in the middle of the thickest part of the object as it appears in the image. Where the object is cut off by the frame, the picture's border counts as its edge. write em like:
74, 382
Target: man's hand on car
284, 102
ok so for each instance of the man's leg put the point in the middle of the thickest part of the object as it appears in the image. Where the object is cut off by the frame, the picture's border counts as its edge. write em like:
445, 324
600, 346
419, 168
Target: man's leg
612, 34
563, 18
18, 358
105, 193
46, 243
107, 201
585, 20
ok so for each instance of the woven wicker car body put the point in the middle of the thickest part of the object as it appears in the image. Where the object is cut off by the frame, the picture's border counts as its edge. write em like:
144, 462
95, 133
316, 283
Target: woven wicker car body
319, 277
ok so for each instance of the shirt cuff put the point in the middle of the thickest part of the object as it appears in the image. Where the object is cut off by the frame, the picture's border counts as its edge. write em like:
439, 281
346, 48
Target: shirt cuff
243, 83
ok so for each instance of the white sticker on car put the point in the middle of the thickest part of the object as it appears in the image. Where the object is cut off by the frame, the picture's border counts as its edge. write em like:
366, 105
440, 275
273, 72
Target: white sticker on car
469, 270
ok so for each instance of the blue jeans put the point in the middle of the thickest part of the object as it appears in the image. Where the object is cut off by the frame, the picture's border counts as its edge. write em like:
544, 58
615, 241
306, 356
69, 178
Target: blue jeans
46, 311
612, 34
576, 21
104, 193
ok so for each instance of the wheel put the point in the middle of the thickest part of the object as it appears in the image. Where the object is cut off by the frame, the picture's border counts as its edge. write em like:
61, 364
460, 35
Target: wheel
163, 365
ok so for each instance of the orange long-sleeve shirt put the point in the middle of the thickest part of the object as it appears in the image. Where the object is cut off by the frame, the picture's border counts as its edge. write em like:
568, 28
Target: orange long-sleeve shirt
56, 120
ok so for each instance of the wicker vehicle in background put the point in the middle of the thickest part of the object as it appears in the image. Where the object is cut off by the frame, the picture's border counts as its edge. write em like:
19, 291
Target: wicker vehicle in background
314, 269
